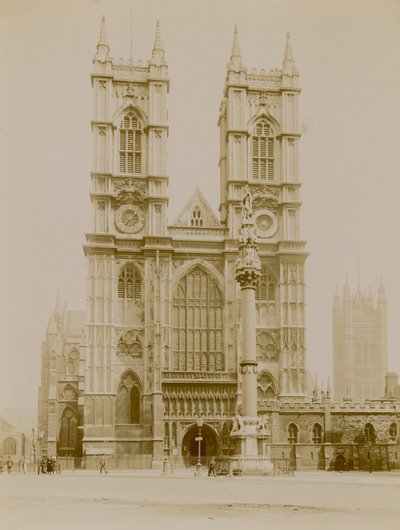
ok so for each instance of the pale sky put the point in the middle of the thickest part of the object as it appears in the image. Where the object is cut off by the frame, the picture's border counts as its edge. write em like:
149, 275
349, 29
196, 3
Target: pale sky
348, 56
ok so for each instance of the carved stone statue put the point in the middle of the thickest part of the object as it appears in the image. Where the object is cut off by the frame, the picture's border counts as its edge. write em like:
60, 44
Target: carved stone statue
262, 426
238, 425
247, 202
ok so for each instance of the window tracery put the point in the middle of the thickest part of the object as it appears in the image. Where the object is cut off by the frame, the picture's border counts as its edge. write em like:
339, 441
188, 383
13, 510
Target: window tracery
197, 323
69, 430
128, 400
265, 291
263, 151
129, 283
130, 144
197, 217
317, 433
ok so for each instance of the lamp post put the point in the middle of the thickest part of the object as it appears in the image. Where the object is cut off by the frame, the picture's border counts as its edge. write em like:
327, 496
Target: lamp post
199, 439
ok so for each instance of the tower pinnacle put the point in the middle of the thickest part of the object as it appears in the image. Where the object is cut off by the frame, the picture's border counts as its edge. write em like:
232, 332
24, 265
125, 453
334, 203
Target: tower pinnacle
103, 48
103, 33
158, 53
289, 67
235, 60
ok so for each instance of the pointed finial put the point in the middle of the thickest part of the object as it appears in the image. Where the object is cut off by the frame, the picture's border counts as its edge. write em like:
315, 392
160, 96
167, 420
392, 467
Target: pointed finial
235, 45
103, 48
158, 45
103, 33
288, 60
381, 291
51, 325
157, 54
235, 60
58, 308
328, 388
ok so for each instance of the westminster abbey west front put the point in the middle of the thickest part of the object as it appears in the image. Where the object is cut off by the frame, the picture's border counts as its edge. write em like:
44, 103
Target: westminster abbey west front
155, 360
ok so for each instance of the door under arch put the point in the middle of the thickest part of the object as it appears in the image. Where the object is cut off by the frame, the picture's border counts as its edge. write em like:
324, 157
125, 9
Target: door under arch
208, 444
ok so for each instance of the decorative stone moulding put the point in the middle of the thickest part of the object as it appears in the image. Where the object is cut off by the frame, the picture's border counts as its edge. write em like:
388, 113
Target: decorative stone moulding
248, 367
266, 224
129, 218
130, 344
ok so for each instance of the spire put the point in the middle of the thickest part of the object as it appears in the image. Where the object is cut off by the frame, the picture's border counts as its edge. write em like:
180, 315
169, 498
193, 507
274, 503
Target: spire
289, 67
381, 291
51, 325
328, 388
336, 298
103, 33
58, 307
158, 53
235, 60
103, 49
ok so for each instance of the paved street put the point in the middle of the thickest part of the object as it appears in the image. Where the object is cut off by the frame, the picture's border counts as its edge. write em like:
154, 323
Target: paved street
145, 500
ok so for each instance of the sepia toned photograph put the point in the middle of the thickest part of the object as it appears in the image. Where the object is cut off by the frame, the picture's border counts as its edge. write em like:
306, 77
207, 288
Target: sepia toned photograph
200, 299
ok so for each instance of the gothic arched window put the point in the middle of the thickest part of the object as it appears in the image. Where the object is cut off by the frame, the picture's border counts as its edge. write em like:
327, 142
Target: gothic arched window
317, 433
263, 151
197, 323
130, 144
293, 433
266, 286
128, 400
68, 440
197, 217
369, 433
129, 283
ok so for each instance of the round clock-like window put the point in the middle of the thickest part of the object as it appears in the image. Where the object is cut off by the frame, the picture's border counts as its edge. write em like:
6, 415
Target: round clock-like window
129, 218
266, 224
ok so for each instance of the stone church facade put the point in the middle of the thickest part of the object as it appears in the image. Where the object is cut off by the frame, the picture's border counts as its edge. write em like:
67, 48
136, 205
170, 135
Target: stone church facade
155, 358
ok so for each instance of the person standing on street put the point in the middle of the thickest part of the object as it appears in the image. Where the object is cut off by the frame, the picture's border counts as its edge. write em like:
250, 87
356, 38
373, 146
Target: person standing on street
103, 465
9, 464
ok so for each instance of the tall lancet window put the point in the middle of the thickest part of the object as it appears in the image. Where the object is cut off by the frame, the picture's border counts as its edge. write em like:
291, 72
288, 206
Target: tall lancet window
263, 151
130, 145
129, 283
197, 323
265, 291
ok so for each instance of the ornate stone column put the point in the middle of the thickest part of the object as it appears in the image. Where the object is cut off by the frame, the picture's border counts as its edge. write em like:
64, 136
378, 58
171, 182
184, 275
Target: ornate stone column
247, 428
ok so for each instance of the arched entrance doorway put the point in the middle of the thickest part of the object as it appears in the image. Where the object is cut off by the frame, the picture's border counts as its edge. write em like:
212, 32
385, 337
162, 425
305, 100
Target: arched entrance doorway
340, 463
208, 444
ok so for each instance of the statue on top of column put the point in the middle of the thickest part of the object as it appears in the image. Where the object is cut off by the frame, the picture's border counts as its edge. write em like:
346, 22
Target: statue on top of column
247, 202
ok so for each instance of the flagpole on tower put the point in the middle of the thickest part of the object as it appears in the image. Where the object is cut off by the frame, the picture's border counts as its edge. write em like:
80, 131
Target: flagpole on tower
131, 34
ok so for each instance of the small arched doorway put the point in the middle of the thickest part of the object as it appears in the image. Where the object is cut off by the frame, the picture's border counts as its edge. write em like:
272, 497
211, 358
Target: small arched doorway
340, 463
208, 444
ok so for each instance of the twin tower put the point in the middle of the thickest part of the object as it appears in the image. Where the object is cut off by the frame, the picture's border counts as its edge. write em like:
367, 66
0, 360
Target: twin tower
162, 345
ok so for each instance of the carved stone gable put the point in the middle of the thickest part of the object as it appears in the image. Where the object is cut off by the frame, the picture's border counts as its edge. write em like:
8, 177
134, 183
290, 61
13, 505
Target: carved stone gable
197, 213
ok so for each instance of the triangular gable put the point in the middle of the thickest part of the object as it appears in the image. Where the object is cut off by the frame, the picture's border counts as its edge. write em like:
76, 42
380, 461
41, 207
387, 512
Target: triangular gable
205, 219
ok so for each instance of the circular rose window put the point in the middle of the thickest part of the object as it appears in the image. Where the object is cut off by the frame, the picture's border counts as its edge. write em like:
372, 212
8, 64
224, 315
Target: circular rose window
266, 224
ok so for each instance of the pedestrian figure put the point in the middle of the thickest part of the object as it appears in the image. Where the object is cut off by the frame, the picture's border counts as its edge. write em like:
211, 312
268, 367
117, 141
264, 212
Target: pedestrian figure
103, 465
1, 464
9, 465
211, 467
22, 465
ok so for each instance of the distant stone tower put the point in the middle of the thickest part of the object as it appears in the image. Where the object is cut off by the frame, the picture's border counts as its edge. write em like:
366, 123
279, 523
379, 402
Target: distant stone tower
359, 344
259, 147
